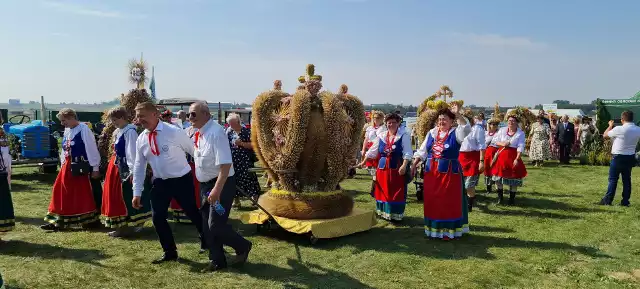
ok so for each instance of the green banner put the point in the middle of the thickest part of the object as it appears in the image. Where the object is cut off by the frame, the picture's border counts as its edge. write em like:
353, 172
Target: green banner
611, 109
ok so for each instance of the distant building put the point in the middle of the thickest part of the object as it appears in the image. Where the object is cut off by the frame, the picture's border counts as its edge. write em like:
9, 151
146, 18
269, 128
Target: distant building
14, 101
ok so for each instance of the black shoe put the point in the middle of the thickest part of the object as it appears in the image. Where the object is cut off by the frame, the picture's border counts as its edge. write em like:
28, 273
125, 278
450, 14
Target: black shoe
500, 196
241, 258
512, 198
212, 267
49, 227
166, 257
471, 200
624, 204
489, 190
604, 203
203, 246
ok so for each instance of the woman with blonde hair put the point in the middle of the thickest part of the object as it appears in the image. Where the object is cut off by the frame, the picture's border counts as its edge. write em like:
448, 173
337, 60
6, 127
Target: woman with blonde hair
72, 201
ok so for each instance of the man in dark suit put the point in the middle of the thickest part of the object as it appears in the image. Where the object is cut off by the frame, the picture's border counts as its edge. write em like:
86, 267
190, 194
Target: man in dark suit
566, 136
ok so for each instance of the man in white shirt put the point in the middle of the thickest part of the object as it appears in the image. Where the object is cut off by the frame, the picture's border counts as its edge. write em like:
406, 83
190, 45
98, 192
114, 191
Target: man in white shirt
182, 115
164, 148
214, 171
625, 139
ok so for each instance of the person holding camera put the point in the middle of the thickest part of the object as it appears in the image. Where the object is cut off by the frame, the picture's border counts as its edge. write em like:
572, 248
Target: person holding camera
623, 157
72, 201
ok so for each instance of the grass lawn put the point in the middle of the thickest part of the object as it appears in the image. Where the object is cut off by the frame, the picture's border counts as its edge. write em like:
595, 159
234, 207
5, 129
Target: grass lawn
555, 237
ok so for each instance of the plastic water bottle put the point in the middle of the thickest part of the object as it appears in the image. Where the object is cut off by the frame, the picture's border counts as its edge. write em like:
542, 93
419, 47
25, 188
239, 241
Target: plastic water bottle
219, 208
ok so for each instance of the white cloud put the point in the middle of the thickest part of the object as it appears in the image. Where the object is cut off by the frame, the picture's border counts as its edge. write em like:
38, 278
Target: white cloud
80, 10
495, 40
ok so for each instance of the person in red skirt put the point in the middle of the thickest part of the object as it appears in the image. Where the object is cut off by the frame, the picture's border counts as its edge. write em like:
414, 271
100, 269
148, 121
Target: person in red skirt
491, 149
472, 159
370, 136
72, 202
117, 210
446, 213
393, 150
177, 214
509, 169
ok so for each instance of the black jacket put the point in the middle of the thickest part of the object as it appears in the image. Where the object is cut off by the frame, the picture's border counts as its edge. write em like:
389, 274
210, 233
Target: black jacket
566, 135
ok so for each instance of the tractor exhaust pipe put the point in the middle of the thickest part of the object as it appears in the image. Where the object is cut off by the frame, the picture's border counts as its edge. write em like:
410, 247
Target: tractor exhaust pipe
42, 111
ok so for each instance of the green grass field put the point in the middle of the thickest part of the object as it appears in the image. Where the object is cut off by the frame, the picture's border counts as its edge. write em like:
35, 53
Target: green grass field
555, 237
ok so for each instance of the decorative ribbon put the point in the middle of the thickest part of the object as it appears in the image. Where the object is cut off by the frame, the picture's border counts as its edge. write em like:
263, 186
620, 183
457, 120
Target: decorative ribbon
153, 143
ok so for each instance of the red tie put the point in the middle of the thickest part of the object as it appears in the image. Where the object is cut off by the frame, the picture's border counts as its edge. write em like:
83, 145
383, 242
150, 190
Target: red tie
197, 136
153, 143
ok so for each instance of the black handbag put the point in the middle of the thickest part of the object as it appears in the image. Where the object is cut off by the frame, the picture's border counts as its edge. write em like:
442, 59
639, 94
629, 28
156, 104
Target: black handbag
80, 167
123, 169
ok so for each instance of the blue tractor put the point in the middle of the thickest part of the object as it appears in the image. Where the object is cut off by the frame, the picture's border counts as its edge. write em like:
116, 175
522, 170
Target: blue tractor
32, 143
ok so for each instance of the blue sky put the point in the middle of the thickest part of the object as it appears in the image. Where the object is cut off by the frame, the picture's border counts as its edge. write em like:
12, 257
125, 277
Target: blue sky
398, 51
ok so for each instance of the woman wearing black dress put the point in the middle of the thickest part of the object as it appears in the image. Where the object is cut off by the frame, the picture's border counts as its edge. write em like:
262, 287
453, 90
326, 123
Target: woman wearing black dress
243, 157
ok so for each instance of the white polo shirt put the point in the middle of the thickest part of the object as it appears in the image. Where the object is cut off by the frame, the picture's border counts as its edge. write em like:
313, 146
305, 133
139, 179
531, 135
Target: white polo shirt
173, 142
212, 150
625, 138
474, 141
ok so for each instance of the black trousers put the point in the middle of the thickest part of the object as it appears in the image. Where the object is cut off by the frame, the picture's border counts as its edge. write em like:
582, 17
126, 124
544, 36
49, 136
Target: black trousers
217, 231
96, 188
565, 153
181, 189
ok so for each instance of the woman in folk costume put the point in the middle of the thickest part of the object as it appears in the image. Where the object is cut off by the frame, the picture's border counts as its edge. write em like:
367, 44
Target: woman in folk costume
7, 216
392, 149
177, 213
445, 202
370, 136
72, 202
508, 168
491, 149
472, 150
117, 210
